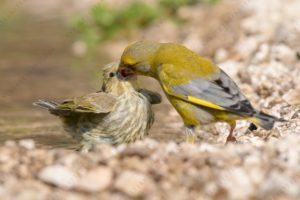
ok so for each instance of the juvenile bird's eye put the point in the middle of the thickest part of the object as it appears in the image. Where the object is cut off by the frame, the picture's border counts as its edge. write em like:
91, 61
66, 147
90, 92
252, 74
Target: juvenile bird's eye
111, 74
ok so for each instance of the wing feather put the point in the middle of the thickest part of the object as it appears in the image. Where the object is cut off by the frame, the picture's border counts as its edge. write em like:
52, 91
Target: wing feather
219, 92
92, 103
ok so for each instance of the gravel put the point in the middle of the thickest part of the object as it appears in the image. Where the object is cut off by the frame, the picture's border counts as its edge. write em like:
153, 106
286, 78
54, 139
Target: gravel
252, 170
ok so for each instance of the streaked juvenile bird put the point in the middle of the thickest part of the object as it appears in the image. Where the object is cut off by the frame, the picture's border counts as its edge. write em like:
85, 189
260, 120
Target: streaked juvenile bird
199, 90
117, 114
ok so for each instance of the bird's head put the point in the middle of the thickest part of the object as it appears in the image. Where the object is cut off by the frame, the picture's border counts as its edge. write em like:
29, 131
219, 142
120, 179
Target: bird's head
109, 72
138, 59
111, 84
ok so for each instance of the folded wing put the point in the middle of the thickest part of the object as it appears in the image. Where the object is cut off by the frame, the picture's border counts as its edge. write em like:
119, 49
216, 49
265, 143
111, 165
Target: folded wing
219, 93
92, 103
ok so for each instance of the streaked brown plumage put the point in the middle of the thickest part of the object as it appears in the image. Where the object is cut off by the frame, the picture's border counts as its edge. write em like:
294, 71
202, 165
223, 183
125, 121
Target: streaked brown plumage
117, 114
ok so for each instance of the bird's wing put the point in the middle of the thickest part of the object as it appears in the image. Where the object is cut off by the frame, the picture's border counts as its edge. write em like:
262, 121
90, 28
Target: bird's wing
153, 97
92, 103
217, 92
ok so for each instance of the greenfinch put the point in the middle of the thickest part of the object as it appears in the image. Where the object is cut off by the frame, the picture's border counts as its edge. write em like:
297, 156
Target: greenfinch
116, 114
198, 89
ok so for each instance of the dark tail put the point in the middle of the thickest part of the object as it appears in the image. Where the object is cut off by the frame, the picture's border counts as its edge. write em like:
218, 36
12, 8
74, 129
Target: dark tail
45, 104
264, 120
153, 97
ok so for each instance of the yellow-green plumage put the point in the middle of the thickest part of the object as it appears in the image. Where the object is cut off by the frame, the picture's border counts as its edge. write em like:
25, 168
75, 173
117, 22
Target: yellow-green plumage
198, 89
117, 114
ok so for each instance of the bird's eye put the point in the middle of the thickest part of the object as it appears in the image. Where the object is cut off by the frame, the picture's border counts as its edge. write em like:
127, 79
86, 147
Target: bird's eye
111, 74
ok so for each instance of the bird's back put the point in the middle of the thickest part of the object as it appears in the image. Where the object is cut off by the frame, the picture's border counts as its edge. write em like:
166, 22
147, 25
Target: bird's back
185, 61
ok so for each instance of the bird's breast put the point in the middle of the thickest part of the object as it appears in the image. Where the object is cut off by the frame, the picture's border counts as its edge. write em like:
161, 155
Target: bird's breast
130, 120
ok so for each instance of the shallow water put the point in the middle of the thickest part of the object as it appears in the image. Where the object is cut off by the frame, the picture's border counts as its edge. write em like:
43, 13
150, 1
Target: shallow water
36, 63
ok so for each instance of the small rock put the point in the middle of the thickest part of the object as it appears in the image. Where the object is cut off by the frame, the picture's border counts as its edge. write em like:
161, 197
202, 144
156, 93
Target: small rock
221, 55
278, 183
248, 46
133, 184
136, 150
292, 97
237, 183
283, 53
59, 176
262, 54
31, 190
95, 180
27, 144
150, 143
172, 148
231, 68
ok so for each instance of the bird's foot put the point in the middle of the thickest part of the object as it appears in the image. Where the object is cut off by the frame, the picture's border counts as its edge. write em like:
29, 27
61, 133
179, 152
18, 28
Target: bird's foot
230, 138
85, 147
191, 139
190, 136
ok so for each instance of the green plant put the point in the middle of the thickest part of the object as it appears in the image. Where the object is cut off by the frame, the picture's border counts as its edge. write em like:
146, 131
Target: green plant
173, 5
105, 22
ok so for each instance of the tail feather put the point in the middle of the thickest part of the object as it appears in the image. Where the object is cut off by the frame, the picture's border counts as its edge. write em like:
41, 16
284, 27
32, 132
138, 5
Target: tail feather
264, 120
45, 104
53, 108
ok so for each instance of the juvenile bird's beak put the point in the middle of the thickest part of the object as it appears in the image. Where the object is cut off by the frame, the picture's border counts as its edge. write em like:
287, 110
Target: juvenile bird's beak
125, 73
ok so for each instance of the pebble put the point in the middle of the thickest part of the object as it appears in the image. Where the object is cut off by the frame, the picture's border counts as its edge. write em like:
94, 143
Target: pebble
231, 68
262, 55
59, 176
96, 180
283, 53
236, 181
221, 55
292, 97
133, 184
277, 183
27, 144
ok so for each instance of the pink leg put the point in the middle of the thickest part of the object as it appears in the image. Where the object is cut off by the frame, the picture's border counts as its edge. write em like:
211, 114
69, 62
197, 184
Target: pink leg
230, 137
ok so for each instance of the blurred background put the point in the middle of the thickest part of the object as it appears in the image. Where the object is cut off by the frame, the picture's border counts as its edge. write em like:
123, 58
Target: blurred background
55, 50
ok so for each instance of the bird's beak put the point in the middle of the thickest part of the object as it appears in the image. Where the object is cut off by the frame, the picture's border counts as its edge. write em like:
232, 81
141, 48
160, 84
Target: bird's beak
125, 73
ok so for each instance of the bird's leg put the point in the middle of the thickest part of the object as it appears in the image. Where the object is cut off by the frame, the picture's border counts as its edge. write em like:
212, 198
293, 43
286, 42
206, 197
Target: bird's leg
85, 146
230, 137
190, 136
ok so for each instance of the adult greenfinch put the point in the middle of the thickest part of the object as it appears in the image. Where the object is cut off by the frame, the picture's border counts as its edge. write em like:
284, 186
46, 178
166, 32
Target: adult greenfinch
199, 90
119, 113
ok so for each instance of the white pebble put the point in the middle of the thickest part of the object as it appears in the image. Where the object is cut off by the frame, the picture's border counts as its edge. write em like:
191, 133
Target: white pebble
59, 176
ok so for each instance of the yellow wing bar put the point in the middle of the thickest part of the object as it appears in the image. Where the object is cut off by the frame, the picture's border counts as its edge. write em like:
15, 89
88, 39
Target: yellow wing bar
204, 103
194, 100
